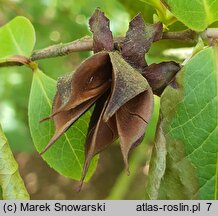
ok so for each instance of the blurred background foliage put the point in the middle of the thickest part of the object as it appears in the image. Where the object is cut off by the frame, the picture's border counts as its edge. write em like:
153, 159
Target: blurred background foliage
57, 21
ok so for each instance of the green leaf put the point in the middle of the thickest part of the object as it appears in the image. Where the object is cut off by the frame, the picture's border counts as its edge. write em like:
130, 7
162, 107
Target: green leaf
66, 156
135, 7
196, 14
11, 184
17, 38
164, 15
184, 163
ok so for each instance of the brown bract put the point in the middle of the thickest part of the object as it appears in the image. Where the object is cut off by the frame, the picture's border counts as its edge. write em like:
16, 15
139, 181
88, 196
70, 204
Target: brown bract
115, 81
160, 75
138, 40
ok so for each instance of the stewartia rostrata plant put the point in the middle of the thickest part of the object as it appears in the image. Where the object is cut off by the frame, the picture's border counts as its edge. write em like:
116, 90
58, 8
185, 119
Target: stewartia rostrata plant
119, 82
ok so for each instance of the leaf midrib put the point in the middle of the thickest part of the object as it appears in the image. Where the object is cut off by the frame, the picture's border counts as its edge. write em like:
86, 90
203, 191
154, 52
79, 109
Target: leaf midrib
20, 51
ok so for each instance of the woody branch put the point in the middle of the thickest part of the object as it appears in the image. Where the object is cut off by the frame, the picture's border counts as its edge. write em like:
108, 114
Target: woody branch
86, 44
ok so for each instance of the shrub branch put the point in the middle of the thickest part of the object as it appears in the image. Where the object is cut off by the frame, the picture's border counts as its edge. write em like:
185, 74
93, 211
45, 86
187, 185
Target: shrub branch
86, 44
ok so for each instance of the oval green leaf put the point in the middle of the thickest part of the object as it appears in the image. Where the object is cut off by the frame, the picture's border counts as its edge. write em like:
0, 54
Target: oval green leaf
11, 184
17, 38
196, 14
66, 156
184, 163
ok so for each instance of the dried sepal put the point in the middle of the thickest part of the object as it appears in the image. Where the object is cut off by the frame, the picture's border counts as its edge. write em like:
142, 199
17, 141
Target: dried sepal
102, 36
63, 120
138, 40
107, 131
127, 83
89, 80
160, 75
153, 32
132, 119
76, 93
100, 134
64, 88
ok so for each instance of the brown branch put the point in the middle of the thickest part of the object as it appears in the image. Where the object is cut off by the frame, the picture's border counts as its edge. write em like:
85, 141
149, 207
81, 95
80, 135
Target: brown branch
82, 44
187, 35
86, 44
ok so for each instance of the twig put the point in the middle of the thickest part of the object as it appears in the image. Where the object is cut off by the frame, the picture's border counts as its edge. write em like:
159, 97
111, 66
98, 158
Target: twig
187, 35
83, 44
86, 44
210, 33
